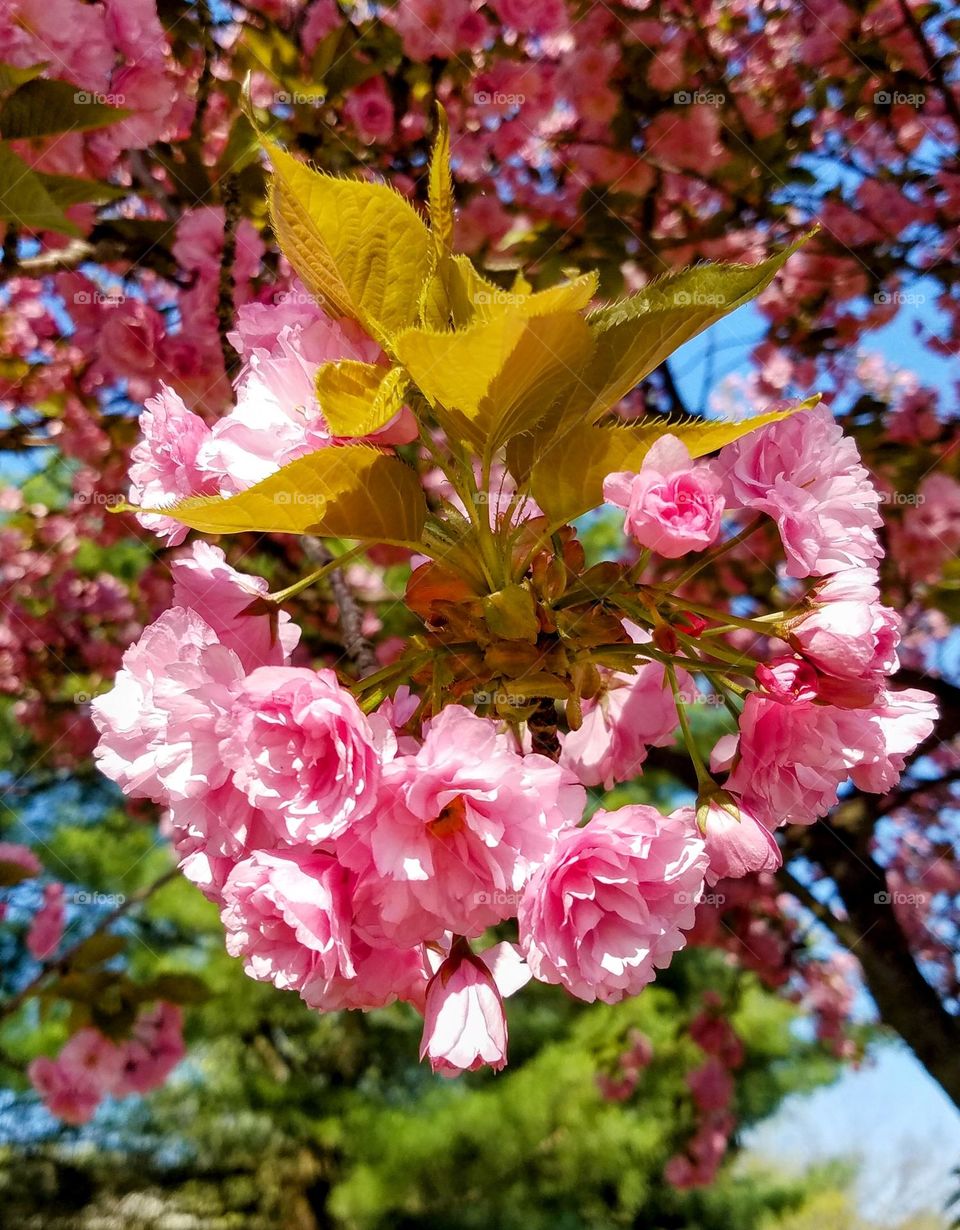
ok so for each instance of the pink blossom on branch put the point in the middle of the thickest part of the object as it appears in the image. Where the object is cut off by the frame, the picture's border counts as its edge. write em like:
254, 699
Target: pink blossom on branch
673, 505
610, 905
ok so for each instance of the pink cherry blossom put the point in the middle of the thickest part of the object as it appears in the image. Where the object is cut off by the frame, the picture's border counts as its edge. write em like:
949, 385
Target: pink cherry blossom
849, 637
900, 722
153, 1051
370, 110
532, 16
379, 975
737, 843
301, 750
465, 1026
793, 758
72, 1095
204, 582
610, 905
89, 1054
634, 713
130, 722
673, 505
46, 929
711, 1086
459, 829
163, 464
806, 474
288, 915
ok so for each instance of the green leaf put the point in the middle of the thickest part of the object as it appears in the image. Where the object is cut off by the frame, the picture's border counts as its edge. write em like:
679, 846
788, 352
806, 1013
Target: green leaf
352, 491
11, 76
358, 399
176, 989
67, 190
511, 614
24, 199
44, 106
96, 950
634, 336
359, 247
498, 376
441, 189
567, 478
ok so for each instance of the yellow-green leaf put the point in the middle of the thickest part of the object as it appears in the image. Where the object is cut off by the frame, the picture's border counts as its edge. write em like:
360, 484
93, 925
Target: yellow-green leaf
458, 368
359, 247
358, 399
511, 614
45, 106
441, 189
353, 491
24, 199
567, 477
498, 376
635, 336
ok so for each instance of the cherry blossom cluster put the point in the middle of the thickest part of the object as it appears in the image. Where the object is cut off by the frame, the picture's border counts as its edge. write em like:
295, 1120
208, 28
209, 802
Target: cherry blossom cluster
360, 854
91, 1066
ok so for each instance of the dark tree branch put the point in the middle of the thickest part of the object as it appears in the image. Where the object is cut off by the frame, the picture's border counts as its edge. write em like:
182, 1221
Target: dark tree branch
230, 194
905, 1000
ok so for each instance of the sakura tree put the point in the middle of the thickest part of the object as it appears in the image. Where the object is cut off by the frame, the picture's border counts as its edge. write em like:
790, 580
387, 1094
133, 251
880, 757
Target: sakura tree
387, 764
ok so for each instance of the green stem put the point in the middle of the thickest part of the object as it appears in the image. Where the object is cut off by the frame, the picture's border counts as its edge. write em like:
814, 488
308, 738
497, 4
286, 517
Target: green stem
281, 595
704, 780
759, 625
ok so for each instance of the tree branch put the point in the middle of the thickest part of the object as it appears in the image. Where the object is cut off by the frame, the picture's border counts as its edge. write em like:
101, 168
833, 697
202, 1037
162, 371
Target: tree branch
63, 960
905, 1000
